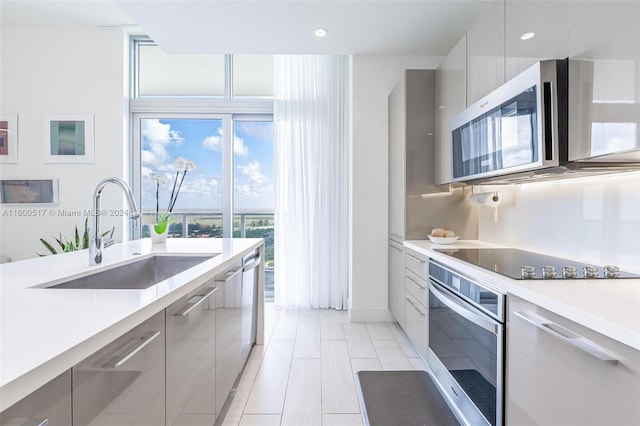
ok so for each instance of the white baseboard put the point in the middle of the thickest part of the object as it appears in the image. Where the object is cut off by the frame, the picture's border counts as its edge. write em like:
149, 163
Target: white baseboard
370, 315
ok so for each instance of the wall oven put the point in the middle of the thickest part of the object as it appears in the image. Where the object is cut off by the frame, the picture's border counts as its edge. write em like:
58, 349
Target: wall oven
466, 344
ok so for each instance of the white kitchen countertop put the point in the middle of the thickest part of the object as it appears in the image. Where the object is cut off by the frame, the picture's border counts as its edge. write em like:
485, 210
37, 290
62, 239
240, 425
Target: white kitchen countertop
608, 306
44, 332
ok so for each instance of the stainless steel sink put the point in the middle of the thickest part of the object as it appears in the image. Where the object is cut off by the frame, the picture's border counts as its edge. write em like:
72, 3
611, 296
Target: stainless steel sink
137, 275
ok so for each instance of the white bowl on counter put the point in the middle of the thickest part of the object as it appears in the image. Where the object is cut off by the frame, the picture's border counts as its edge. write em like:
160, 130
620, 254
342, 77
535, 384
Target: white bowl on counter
443, 240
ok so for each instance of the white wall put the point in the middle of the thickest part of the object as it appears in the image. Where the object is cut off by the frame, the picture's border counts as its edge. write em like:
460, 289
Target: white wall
373, 79
80, 71
594, 219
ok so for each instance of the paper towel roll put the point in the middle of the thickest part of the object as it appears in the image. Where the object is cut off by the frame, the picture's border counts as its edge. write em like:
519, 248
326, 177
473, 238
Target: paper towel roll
490, 199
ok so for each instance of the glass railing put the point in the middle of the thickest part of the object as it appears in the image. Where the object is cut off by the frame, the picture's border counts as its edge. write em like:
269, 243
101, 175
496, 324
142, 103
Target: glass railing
208, 224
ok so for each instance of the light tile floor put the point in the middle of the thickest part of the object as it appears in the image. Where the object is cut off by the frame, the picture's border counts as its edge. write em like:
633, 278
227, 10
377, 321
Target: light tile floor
304, 374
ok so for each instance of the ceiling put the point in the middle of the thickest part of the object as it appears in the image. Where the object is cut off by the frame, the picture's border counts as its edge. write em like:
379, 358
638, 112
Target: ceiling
379, 27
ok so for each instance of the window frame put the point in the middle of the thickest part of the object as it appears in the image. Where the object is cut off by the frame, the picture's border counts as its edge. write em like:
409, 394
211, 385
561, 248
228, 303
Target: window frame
227, 109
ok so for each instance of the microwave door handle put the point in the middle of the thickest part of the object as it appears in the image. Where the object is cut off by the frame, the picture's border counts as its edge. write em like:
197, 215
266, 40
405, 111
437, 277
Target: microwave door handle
458, 307
550, 120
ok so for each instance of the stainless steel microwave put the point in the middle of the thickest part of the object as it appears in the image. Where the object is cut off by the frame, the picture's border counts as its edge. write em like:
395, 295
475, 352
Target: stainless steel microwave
520, 126
544, 123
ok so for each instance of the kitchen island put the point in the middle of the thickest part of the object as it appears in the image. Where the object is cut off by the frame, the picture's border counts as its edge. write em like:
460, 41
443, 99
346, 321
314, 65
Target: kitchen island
44, 332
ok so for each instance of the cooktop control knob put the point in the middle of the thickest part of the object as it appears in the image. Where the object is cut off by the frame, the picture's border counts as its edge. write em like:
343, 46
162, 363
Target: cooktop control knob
590, 271
611, 271
527, 272
569, 272
548, 272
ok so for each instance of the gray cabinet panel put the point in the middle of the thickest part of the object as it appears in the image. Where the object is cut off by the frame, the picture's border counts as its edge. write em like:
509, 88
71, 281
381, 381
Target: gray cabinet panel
191, 357
411, 154
485, 53
124, 382
451, 98
50, 405
614, 50
549, 23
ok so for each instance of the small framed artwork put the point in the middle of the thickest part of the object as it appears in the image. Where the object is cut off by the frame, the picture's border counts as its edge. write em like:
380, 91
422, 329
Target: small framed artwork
68, 138
29, 191
8, 138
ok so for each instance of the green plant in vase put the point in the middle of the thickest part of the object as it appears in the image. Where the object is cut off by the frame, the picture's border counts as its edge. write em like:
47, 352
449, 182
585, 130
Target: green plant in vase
182, 167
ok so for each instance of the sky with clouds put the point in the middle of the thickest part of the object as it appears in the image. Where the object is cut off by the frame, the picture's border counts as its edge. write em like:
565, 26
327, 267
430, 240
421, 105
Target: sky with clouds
200, 140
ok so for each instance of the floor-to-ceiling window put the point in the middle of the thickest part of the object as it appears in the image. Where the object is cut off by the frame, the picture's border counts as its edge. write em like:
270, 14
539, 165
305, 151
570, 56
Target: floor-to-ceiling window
216, 111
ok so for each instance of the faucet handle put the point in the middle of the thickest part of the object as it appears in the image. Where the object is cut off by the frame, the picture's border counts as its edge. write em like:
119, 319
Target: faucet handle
107, 242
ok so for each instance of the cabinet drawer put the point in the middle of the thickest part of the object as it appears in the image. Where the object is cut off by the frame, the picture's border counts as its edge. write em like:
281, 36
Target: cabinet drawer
417, 325
417, 286
417, 263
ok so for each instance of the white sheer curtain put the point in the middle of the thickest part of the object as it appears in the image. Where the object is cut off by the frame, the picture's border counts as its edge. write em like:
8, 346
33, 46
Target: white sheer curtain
311, 122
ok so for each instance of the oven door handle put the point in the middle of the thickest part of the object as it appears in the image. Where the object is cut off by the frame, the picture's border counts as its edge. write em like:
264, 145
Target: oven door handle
459, 308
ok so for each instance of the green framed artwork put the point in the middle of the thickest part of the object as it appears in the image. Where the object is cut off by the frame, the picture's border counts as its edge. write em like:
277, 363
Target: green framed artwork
68, 138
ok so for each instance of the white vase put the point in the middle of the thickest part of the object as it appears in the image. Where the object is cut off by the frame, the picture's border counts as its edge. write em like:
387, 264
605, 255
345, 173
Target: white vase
158, 238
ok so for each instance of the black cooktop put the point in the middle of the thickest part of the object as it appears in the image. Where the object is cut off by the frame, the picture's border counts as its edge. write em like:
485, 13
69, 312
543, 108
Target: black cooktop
508, 262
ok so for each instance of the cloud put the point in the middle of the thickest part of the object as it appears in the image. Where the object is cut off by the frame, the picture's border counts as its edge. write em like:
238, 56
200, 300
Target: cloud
239, 148
251, 183
214, 143
253, 171
156, 137
261, 130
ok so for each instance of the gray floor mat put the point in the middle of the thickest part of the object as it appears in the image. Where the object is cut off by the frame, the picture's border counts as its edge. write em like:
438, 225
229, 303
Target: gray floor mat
403, 398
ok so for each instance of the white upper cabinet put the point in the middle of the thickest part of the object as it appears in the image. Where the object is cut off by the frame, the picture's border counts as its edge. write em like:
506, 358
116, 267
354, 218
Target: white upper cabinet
607, 32
450, 95
485, 53
534, 30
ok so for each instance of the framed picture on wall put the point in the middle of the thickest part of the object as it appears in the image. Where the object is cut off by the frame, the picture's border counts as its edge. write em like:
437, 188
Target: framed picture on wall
68, 138
8, 138
29, 191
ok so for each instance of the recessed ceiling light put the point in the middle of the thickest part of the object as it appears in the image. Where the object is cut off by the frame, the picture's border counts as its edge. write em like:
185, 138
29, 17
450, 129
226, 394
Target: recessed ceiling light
527, 36
321, 32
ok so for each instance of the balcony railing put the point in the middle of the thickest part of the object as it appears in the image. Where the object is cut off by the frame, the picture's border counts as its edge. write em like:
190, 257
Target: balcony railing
208, 224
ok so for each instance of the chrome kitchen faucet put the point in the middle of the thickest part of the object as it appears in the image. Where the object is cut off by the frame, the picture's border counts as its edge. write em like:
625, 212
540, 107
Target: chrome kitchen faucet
95, 246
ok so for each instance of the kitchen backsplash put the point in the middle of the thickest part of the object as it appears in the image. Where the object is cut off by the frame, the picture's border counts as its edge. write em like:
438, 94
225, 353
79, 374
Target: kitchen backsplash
595, 219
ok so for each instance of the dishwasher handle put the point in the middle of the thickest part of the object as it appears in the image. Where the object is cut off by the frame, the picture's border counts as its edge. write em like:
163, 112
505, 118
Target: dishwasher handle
564, 334
228, 275
251, 262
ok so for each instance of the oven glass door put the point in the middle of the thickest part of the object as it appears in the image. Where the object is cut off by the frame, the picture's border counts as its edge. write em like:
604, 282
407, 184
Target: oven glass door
469, 345
504, 137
